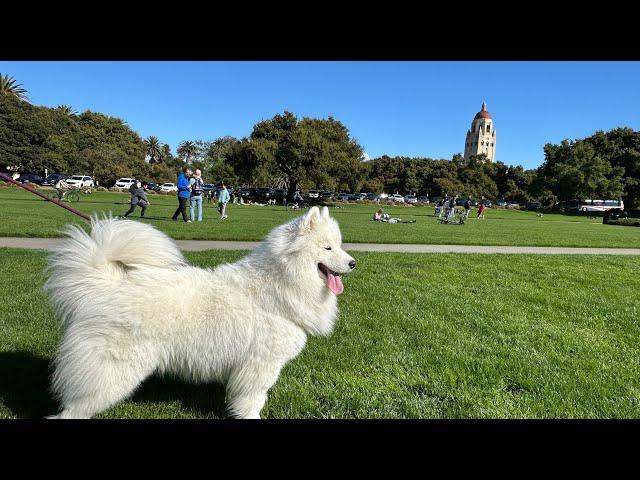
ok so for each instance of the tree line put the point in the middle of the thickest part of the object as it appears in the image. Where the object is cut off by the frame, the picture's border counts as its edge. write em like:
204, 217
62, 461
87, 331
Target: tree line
308, 153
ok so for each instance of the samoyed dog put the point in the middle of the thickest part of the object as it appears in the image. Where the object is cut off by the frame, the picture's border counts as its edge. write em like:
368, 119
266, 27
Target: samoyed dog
130, 306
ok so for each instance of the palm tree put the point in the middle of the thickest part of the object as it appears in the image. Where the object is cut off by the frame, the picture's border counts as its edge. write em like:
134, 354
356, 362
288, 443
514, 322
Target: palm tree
153, 149
8, 86
187, 150
67, 110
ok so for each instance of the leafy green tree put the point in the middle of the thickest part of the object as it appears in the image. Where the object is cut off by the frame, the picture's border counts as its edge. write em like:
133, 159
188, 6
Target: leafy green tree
309, 153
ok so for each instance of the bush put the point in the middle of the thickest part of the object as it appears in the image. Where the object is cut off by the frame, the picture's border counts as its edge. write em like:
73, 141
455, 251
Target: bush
625, 222
101, 189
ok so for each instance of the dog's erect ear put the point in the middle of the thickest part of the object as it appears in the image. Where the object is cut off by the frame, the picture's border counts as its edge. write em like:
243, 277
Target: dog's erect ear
324, 213
311, 218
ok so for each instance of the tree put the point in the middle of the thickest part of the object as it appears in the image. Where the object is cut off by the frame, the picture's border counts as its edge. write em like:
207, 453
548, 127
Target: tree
9, 87
187, 150
153, 147
312, 153
67, 110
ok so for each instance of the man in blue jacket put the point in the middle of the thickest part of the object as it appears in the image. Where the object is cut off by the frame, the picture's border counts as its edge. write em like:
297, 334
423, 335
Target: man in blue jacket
183, 194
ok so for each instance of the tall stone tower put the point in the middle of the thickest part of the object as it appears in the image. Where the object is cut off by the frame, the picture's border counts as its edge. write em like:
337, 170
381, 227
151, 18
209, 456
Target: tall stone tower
482, 136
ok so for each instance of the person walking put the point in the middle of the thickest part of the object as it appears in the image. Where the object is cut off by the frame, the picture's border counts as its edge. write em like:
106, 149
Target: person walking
451, 209
481, 210
197, 189
467, 208
223, 198
183, 194
138, 199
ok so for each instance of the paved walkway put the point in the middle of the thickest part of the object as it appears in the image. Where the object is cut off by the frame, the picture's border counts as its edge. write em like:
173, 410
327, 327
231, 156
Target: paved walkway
196, 245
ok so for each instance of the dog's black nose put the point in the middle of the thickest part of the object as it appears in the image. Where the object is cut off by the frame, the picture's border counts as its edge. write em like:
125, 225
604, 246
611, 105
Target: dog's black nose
352, 264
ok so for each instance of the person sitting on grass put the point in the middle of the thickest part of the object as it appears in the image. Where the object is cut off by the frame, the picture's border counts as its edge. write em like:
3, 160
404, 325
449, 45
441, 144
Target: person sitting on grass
380, 216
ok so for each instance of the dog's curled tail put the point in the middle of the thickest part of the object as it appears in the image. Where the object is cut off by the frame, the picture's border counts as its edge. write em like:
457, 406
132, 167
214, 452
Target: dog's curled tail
83, 263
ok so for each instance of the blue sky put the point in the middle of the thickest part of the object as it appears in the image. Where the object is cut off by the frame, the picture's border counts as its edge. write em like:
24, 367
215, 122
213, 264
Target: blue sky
393, 108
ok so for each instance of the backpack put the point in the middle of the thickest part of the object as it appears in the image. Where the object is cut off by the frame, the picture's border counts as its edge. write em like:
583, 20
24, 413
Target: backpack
197, 187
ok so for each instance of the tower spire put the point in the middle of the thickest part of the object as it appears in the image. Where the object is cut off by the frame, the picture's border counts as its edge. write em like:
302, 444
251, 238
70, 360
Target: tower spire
484, 106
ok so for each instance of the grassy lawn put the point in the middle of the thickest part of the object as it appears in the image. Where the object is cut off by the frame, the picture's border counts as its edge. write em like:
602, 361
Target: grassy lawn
24, 214
419, 336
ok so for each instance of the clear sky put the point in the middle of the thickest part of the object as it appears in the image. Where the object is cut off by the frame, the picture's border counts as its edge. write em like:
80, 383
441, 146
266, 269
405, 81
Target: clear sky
394, 108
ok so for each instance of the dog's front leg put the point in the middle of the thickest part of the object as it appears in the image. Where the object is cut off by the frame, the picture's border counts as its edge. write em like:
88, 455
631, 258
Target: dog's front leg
248, 386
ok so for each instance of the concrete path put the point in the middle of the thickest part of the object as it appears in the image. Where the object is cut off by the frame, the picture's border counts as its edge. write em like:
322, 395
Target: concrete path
196, 245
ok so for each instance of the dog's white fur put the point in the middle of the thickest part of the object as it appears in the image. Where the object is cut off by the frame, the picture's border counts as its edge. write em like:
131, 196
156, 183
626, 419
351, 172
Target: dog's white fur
130, 306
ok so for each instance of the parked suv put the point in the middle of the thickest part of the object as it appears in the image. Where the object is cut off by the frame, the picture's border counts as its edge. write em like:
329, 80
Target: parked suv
124, 183
80, 181
396, 198
411, 199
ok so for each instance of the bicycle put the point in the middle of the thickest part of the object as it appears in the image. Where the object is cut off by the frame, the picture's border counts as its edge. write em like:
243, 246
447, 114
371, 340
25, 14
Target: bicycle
71, 196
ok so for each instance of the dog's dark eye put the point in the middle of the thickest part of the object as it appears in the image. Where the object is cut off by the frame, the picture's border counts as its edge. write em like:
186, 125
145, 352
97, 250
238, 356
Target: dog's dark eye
327, 248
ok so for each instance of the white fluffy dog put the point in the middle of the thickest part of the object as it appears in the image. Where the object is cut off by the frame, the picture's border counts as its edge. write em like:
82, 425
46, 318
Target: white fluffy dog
130, 306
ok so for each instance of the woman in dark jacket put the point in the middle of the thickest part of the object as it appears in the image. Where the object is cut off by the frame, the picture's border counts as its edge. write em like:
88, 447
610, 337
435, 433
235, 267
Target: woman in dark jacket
138, 199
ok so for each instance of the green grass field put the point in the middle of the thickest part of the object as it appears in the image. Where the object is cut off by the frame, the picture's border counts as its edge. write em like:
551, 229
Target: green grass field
419, 336
24, 214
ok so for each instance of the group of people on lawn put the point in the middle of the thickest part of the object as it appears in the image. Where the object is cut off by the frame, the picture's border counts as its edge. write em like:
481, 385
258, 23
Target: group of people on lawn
445, 207
190, 190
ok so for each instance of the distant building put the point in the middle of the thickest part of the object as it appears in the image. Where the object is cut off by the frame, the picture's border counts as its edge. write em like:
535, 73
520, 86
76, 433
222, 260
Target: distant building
482, 136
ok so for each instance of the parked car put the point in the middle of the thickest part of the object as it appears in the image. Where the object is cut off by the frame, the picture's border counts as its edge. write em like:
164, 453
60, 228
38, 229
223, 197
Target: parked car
344, 196
80, 181
243, 192
124, 183
436, 199
423, 199
168, 187
382, 197
396, 198
31, 178
370, 196
535, 206
279, 194
410, 199
154, 187
313, 194
53, 178
263, 194
326, 195
513, 205
501, 203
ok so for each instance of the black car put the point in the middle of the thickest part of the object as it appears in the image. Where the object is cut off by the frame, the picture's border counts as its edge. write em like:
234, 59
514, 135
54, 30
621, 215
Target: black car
31, 178
243, 192
208, 187
535, 206
154, 187
264, 193
52, 179
279, 194
326, 195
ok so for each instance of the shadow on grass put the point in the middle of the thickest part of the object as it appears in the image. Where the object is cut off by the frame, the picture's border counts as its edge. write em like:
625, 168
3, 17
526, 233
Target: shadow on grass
25, 389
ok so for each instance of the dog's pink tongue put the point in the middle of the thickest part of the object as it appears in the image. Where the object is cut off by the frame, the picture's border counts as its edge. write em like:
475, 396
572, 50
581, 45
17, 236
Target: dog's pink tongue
334, 283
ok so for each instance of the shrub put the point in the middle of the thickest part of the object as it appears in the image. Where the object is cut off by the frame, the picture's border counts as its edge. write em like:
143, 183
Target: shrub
626, 222
101, 189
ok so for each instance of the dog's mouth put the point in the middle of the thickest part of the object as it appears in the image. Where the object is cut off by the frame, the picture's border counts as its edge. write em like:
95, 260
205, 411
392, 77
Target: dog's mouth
334, 282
